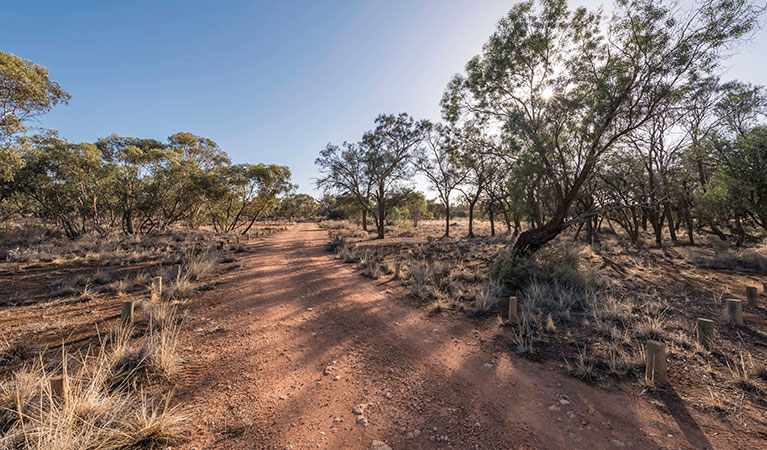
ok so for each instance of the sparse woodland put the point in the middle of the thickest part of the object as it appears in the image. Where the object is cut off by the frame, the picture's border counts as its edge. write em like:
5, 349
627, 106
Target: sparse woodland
85, 227
620, 183
595, 184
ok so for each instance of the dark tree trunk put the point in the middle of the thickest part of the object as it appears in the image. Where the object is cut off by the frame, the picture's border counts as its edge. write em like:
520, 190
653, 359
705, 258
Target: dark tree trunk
447, 219
670, 217
381, 219
656, 220
715, 229
492, 220
364, 219
471, 218
532, 240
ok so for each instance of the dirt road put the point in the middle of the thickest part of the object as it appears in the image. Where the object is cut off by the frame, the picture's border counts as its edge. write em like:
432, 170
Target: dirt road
294, 340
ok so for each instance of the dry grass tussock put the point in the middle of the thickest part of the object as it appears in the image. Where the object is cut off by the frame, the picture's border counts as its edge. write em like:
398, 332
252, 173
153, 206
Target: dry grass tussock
101, 401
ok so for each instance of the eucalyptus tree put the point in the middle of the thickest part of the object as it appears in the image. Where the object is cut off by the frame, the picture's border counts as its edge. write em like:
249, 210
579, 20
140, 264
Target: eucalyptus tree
246, 193
657, 145
435, 159
26, 91
565, 86
387, 152
344, 174
298, 206
136, 165
66, 182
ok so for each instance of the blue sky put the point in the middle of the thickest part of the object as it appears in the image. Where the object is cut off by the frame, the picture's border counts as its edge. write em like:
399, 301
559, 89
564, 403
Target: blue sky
269, 81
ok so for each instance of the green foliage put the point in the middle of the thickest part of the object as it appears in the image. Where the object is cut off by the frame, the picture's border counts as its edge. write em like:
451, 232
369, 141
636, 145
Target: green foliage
298, 206
414, 207
26, 90
559, 267
512, 270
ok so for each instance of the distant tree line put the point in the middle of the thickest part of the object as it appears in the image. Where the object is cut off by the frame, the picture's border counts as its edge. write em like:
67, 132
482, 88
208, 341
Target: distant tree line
134, 185
569, 118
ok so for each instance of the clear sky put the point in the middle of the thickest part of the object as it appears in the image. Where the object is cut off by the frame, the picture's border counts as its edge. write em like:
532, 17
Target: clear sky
270, 81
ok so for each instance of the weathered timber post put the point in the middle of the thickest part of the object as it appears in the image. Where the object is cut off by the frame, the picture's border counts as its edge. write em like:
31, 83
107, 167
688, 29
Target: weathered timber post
513, 317
126, 315
735, 311
58, 387
705, 332
397, 267
764, 287
751, 296
655, 367
156, 293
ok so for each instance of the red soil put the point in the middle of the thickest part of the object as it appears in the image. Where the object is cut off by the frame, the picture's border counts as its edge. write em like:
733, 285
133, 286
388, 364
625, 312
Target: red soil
258, 347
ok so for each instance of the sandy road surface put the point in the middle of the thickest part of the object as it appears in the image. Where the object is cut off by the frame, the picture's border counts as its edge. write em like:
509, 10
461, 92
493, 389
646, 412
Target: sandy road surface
293, 340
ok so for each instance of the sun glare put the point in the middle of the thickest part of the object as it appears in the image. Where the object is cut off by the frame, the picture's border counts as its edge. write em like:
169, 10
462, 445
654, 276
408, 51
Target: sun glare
547, 93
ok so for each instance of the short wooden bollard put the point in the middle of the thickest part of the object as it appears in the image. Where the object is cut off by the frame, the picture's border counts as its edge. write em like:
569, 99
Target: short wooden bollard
706, 332
397, 267
57, 387
764, 287
513, 318
751, 296
156, 288
655, 367
126, 315
735, 311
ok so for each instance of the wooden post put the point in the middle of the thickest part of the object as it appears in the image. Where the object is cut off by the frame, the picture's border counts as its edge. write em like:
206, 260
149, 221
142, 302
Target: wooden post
735, 311
751, 296
706, 333
764, 287
655, 367
513, 318
397, 267
57, 387
156, 288
126, 316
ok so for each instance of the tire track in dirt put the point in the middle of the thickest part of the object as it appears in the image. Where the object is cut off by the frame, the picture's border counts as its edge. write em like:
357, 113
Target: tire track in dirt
259, 346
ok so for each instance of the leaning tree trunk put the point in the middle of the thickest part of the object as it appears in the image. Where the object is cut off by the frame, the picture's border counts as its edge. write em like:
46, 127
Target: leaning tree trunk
532, 240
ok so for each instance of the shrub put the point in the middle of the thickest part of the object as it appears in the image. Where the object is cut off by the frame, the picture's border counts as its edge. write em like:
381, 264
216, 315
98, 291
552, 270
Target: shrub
511, 270
336, 243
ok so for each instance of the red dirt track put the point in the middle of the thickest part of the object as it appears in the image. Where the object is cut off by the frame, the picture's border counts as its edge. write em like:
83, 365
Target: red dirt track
257, 346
